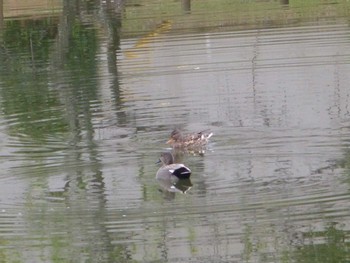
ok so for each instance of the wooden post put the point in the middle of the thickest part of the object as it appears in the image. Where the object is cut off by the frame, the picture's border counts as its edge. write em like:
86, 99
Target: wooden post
186, 6
1, 14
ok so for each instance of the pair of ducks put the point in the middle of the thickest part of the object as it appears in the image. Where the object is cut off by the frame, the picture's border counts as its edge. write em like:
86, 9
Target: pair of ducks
175, 171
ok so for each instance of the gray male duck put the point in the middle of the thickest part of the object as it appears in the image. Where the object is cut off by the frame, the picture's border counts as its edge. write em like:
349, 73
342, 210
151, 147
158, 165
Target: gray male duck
170, 170
192, 140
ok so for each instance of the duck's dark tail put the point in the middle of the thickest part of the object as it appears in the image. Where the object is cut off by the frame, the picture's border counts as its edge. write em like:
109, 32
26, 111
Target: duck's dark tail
182, 172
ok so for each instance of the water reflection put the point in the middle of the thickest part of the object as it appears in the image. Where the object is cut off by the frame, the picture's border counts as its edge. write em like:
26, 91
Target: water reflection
169, 188
145, 42
90, 94
333, 247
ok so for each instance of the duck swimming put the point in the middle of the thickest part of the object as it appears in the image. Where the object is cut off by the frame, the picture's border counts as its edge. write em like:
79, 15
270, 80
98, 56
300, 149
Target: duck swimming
192, 140
171, 170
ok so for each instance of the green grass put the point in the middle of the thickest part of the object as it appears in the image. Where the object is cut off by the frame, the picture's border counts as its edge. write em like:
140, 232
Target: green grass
143, 16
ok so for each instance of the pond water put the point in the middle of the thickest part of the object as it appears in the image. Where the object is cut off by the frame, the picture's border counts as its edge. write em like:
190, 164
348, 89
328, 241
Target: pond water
90, 92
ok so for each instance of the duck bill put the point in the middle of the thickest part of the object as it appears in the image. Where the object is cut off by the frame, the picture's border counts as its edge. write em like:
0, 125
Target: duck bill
170, 141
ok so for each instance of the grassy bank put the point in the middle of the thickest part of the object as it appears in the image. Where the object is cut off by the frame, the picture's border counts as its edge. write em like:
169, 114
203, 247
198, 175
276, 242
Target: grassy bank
33, 8
217, 15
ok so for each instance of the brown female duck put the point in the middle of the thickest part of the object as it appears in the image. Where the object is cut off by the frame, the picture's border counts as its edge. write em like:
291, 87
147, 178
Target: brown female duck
193, 140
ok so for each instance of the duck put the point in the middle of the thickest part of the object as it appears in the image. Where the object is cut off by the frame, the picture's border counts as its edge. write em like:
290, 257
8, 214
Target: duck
192, 140
170, 170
